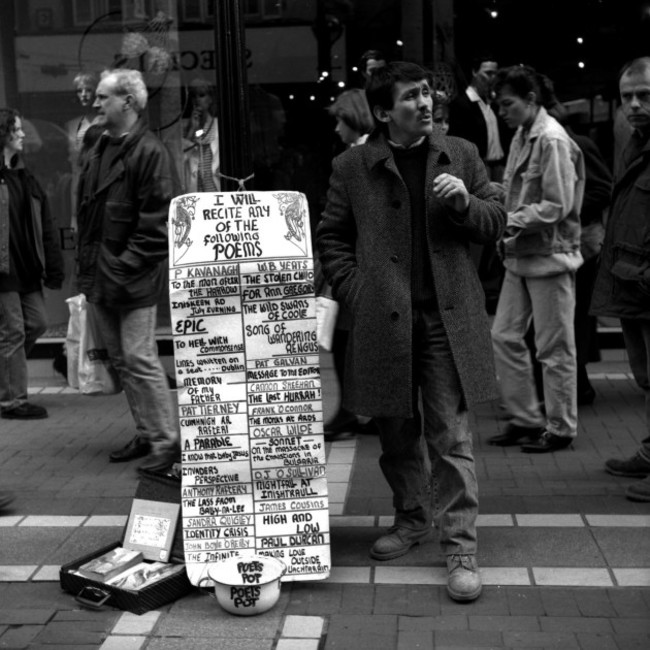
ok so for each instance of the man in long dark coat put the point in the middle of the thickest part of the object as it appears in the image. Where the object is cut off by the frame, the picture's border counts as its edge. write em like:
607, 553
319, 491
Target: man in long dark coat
622, 287
394, 243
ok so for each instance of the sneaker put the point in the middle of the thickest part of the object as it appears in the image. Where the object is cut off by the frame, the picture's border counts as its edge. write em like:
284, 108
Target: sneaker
635, 467
24, 411
463, 578
398, 541
639, 491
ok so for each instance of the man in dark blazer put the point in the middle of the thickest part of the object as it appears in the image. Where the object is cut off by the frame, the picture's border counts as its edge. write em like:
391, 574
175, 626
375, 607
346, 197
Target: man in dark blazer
472, 117
394, 244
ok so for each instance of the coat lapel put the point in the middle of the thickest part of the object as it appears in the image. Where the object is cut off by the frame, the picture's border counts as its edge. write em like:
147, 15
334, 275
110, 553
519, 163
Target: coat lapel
640, 160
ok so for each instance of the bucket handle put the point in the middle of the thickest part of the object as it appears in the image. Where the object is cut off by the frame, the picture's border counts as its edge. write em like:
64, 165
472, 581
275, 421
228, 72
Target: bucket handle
200, 585
92, 597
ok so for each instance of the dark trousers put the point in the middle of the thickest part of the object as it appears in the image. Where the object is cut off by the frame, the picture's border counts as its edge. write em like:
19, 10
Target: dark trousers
445, 490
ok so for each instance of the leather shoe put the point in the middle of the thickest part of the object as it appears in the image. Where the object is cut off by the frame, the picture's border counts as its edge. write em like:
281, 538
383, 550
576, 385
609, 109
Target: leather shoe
6, 498
463, 578
639, 491
586, 396
545, 443
24, 411
135, 448
635, 467
398, 541
514, 434
160, 462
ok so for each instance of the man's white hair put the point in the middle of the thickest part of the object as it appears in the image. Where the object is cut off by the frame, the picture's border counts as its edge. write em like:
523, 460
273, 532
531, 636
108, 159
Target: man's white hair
129, 82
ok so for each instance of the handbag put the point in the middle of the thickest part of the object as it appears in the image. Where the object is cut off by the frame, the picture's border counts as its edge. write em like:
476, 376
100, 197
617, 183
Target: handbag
89, 368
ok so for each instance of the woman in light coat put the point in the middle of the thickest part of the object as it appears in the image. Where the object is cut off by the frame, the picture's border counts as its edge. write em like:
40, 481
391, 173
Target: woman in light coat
543, 192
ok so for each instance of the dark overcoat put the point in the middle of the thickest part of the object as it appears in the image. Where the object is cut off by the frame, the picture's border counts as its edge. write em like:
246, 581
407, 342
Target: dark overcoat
364, 242
622, 288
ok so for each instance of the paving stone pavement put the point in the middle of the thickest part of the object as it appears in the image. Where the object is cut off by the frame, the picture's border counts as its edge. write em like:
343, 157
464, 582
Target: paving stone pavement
565, 557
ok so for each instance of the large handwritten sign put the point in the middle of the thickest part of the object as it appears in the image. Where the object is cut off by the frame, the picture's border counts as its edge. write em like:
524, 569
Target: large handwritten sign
248, 375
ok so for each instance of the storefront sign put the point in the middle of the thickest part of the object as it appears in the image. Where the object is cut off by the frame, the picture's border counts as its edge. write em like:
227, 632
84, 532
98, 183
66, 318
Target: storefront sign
280, 54
249, 388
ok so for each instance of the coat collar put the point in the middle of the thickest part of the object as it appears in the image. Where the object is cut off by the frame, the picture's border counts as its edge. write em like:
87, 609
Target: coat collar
378, 151
536, 129
133, 136
117, 166
525, 140
640, 159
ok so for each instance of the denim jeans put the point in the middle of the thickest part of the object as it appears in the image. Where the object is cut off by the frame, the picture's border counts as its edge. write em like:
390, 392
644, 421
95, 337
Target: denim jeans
637, 343
447, 490
550, 303
130, 339
22, 321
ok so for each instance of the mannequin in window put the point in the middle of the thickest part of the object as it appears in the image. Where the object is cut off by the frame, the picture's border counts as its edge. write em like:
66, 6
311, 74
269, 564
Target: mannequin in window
85, 84
201, 141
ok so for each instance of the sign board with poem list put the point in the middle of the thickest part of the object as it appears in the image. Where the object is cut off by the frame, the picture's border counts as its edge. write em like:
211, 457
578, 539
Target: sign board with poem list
248, 376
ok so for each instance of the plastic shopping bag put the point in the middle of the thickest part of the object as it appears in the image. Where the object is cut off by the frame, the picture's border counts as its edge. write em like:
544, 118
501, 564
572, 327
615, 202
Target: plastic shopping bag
326, 311
73, 338
89, 368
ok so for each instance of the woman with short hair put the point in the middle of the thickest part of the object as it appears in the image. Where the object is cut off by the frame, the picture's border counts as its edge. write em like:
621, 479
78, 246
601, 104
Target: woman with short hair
543, 191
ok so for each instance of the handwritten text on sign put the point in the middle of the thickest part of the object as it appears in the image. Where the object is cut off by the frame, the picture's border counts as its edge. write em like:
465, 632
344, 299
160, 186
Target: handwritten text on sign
248, 376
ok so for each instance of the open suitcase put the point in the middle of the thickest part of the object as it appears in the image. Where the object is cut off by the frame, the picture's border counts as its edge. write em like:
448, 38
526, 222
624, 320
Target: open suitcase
95, 594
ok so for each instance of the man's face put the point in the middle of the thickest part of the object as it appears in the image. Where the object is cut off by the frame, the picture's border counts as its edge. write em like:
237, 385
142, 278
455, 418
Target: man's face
374, 64
111, 107
410, 118
484, 77
635, 98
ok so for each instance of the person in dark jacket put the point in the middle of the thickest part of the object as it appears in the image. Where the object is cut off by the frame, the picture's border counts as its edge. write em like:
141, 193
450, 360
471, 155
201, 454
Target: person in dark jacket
394, 244
124, 195
473, 116
30, 257
622, 287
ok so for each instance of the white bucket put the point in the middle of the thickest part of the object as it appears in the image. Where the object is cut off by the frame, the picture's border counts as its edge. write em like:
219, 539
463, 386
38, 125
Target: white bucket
246, 584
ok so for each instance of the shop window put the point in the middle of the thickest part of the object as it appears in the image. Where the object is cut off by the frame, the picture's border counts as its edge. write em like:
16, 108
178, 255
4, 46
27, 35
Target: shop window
262, 9
193, 10
202, 11
119, 12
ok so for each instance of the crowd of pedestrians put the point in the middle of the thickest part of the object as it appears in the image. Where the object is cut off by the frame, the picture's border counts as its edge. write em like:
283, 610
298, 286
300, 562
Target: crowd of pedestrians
440, 212
395, 241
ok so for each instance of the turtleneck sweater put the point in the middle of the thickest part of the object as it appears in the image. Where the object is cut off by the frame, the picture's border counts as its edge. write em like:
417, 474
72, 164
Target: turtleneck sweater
412, 165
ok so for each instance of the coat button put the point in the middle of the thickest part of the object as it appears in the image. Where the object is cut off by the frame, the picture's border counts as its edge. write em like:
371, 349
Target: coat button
394, 316
396, 204
394, 258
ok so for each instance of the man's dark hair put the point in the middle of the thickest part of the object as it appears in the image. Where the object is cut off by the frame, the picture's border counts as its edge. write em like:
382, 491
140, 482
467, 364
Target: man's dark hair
8, 118
380, 87
377, 55
482, 57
